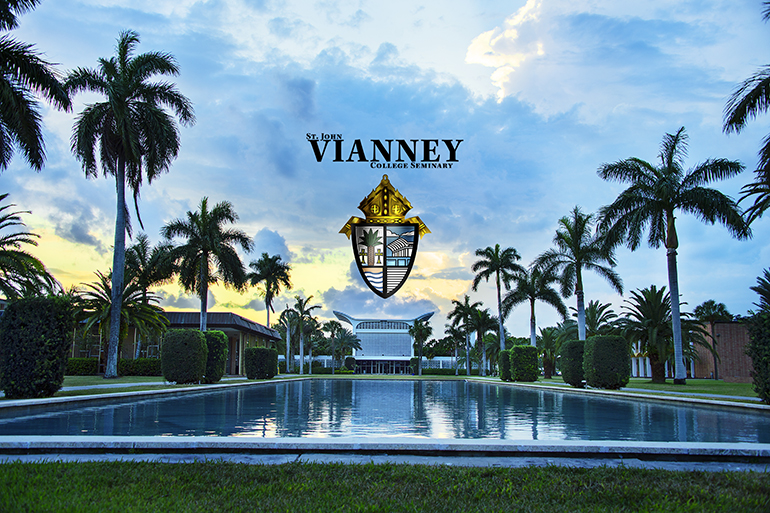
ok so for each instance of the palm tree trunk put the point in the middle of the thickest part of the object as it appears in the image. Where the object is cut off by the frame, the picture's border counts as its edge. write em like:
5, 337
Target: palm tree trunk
332, 358
419, 360
468, 353
532, 324
118, 269
288, 348
204, 293
457, 369
310, 364
501, 329
301, 349
480, 343
581, 306
680, 374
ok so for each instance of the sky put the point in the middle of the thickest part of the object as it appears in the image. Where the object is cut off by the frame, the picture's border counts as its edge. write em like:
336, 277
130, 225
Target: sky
541, 93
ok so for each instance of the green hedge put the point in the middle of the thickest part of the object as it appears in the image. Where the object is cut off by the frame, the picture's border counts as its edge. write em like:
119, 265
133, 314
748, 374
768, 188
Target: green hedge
758, 350
260, 362
82, 367
446, 372
504, 364
140, 367
524, 363
183, 356
35, 337
350, 363
216, 361
572, 362
607, 362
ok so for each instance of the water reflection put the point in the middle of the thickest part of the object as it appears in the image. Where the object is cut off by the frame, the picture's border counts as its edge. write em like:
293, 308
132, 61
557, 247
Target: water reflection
380, 408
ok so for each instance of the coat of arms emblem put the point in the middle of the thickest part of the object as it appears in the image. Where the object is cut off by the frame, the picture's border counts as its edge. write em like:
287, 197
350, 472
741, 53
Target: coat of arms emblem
385, 243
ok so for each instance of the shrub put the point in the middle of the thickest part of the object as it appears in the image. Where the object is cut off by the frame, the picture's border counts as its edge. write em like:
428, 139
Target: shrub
758, 350
524, 363
504, 364
140, 367
260, 362
413, 365
216, 361
447, 372
606, 362
350, 363
572, 362
82, 367
35, 336
183, 356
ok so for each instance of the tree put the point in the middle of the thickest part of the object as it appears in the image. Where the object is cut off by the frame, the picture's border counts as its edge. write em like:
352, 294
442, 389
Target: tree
746, 102
21, 274
460, 318
577, 249
208, 253
302, 311
481, 321
273, 273
370, 239
549, 347
654, 196
533, 285
763, 289
23, 73
712, 312
420, 332
456, 335
288, 323
343, 340
600, 319
135, 137
502, 265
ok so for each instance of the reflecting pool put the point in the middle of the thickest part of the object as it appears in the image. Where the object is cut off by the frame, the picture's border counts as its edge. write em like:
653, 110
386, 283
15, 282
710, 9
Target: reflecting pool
386, 408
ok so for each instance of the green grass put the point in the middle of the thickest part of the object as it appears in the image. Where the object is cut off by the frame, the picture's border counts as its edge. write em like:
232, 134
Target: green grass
295, 487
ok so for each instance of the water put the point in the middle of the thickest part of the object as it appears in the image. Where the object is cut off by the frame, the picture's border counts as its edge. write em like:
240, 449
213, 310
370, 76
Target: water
385, 408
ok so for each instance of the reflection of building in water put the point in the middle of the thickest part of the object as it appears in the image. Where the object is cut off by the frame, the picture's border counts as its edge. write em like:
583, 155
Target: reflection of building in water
386, 345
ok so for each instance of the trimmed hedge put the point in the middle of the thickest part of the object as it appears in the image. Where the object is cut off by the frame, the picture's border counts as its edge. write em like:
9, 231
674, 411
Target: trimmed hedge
524, 363
260, 362
216, 361
140, 367
447, 372
758, 349
35, 336
183, 356
350, 363
504, 364
572, 362
83, 367
606, 362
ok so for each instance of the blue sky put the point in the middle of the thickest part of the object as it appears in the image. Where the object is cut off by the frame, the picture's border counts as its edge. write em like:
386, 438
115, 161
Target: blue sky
541, 93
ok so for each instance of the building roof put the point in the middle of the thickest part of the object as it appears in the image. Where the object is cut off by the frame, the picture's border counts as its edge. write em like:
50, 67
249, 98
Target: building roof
352, 320
221, 320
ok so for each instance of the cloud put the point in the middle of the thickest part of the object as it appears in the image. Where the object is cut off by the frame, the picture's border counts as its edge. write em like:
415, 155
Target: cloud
272, 243
185, 301
362, 303
75, 220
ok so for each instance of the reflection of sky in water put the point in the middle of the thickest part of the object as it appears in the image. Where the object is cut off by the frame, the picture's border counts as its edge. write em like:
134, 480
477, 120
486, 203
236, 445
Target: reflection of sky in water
380, 408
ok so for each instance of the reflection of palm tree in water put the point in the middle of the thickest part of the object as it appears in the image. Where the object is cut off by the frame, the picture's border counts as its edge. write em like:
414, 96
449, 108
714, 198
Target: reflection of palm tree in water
370, 239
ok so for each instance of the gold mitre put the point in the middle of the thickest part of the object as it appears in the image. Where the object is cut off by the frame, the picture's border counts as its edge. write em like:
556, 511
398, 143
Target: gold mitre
384, 205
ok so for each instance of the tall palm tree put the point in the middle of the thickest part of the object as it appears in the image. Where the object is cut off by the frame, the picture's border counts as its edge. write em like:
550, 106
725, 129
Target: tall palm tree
502, 265
303, 310
455, 335
460, 318
654, 196
533, 285
549, 346
343, 341
273, 273
577, 250
134, 134
420, 332
763, 289
712, 312
23, 73
600, 319
481, 321
208, 253
288, 323
746, 102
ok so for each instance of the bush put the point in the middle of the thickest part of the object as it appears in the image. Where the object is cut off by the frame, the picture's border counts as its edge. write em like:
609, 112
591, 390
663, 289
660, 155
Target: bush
260, 362
82, 367
504, 364
447, 372
140, 367
413, 365
183, 356
606, 362
216, 361
572, 362
758, 350
350, 363
524, 363
35, 336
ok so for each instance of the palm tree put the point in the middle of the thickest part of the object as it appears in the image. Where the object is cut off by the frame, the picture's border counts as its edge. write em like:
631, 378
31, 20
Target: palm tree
460, 317
712, 312
600, 319
208, 254
135, 136
21, 274
763, 289
288, 323
455, 335
420, 331
23, 73
746, 102
343, 340
302, 311
578, 250
502, 265
533, 285
655, 195
549, 346
274, 273
370, 239
481, 321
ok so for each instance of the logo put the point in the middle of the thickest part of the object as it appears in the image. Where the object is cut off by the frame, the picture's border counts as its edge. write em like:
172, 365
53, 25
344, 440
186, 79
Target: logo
385, 243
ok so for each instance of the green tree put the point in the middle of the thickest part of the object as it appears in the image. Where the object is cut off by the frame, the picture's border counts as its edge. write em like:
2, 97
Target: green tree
577, 250
344, 341
135, 136
420, 332
302, 310
288, 324
370, 239
534, 285
600, 319
763, 289
456, 335
273, 273
712, 312
207, 255
655, 195
482, 321
502, 265
460, 318
549, 347
22, 74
